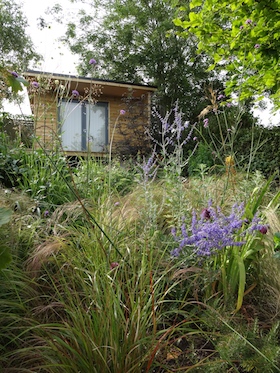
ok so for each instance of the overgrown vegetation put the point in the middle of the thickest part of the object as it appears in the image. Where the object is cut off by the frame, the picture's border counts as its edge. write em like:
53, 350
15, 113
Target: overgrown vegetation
94, 284
161, 263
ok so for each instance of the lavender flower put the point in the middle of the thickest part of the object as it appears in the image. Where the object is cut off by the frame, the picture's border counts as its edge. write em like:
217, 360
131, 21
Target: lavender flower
174, 133
257, 46
75, 93
220, 97
212, 232
14, 74
122, 112
149, 168
248, 21
92, 61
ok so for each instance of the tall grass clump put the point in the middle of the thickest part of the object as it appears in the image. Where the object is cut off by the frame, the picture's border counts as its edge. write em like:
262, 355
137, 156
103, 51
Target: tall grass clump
90, 315
46, 178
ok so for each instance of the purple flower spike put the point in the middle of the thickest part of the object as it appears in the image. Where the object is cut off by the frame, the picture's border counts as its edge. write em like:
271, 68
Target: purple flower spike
92, 61
75, 93
213, 231
122, 112
14, 74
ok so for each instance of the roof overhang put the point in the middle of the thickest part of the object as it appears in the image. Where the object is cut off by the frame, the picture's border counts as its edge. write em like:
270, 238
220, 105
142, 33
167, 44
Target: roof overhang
107, 87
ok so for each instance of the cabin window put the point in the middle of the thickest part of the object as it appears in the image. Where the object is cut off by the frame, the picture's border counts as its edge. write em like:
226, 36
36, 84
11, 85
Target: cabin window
84, 126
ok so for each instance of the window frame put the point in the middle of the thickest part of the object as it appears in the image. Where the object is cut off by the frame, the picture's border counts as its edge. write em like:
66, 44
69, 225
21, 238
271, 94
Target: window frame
83, 115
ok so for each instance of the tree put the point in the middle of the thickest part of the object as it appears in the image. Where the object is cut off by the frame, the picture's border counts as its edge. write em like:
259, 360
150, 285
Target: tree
136, 41
16, 47
243, 38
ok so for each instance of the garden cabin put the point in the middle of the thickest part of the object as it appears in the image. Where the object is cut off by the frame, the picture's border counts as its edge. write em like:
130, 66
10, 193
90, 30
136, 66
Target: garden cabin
86, 115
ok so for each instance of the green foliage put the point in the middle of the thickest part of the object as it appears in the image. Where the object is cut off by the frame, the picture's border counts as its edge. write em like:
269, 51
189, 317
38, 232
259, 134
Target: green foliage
232, 130
92, 178
16, 48
18, 128
46, 177
242, 38
266, 153
10, 160
256, 350
5, 215
201, 161
103, 294
62, 300
135, 41
5, 256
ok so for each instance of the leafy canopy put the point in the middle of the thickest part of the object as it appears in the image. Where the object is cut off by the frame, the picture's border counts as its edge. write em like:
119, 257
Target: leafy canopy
16, 47
136, 41
243, 38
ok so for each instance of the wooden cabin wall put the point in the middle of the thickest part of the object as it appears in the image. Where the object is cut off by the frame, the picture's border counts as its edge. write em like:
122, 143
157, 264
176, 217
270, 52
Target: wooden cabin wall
129, 135
45, 112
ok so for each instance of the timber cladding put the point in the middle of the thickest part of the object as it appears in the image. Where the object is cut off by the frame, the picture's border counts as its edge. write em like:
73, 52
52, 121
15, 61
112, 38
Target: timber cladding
122, 111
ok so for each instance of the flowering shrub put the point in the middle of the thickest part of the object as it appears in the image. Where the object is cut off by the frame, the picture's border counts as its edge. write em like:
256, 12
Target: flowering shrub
215, 231
223, 242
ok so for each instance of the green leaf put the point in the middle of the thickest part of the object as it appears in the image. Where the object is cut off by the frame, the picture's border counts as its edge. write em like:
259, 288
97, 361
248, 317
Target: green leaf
5, 257
22, 80
242, 281
269, 79
178, 22
195, 3
195, 19
5, 215
276, 239
14, 84
232, 44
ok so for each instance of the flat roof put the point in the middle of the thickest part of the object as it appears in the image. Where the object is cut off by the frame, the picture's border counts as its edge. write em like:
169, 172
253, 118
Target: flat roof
76, 78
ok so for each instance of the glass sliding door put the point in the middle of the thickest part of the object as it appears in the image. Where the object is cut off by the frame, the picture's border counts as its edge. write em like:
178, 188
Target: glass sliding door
84, 126
97, 128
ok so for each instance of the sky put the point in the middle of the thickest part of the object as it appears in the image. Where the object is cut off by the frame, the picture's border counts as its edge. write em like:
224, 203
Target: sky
58, 59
